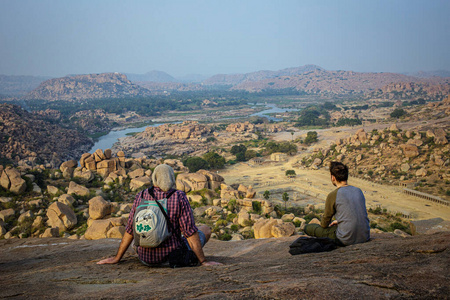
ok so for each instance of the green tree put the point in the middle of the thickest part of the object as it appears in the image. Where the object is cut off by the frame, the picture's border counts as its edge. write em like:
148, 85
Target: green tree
237, 149
285, 199
290, 173
214, 160
266, 194
398, 112
196, 163
311, 137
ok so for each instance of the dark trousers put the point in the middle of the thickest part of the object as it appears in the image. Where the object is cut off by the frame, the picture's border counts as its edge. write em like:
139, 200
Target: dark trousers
318, 231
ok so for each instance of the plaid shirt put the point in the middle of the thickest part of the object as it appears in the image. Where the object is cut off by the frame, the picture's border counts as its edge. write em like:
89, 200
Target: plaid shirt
181, 217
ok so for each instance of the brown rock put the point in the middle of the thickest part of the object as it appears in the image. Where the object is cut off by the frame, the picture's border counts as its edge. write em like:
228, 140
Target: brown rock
12, 181
100, 154
83, 158
62, 216
77, 189
139, 182
98, 229
191, 182
263, 228
283, 230
85, 176
116, 232
7, 214
99, 208
108, 153
136, 173
410, 150
50, 232
66, 199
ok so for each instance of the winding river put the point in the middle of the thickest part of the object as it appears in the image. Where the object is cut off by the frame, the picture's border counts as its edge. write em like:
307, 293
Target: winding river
107, 141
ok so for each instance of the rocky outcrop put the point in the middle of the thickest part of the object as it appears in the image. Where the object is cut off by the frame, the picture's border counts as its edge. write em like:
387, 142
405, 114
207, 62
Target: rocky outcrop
106, 228
202, 179
24, 136
11, 180
62, 216
83, 87
388, 267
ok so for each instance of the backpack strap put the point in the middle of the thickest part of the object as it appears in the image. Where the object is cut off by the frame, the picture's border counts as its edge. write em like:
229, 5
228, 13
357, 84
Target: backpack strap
161, 208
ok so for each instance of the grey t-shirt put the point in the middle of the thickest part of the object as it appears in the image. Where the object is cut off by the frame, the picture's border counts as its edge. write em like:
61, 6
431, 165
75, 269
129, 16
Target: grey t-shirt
348, 205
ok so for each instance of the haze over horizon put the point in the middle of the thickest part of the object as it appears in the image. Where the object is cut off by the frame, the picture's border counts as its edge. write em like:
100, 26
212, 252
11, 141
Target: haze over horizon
52, 38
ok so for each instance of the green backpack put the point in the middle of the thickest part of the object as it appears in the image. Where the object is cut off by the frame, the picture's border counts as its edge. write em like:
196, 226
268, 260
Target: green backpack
150, 221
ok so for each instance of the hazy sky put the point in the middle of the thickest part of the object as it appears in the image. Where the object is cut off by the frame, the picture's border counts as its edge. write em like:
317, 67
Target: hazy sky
56, 38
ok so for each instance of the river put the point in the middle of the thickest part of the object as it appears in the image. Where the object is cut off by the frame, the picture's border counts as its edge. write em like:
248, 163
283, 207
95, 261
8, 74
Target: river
107, 141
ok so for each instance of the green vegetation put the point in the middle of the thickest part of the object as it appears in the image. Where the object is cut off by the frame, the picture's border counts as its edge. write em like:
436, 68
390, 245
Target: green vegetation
214, 160
311, 137
284, 147
285, 199
290, 173
266, 194
196, 163
397, 113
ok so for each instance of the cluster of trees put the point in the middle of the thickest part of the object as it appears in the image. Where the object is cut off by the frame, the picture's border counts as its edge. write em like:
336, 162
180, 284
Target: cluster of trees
311, 137
348, 122
242, 153
284, 147
210, 160
397, 113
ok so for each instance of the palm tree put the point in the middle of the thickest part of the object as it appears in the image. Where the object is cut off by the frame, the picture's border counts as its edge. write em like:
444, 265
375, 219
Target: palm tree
285, 199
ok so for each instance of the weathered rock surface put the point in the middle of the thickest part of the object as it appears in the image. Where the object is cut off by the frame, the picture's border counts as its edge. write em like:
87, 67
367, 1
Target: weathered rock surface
99, 208
77, 189
62, 216
386, 267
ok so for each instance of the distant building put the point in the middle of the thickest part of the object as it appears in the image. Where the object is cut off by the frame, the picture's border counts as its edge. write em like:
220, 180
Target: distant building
279, 157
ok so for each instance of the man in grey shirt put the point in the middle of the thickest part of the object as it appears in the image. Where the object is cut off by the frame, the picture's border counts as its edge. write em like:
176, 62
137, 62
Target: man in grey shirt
348, 205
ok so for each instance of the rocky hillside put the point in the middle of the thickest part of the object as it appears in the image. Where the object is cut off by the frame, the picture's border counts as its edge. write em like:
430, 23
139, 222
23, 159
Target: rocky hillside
418, 159
84, 87
26, 136
433, 89
334, 82
235, 79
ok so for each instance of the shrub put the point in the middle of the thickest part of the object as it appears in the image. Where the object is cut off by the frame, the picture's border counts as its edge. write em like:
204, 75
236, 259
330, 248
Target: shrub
234, 227
231, 217
256, 206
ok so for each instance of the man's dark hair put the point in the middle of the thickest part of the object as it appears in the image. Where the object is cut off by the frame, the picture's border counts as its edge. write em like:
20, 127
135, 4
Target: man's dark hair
339, 171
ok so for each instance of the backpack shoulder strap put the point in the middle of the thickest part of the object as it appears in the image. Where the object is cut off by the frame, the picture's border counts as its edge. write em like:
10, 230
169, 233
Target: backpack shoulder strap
162, 209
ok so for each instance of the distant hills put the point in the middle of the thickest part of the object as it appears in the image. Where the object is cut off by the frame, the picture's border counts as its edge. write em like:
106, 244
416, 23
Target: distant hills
91, 86
309, 79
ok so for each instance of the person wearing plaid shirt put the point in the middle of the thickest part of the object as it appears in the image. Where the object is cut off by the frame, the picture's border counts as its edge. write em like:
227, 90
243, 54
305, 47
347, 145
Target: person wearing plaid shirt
181, 217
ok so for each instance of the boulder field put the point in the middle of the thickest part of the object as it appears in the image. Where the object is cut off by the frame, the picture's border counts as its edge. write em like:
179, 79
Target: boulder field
386, 267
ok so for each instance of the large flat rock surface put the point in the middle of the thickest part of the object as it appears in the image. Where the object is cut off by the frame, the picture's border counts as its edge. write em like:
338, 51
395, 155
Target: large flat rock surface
388, 267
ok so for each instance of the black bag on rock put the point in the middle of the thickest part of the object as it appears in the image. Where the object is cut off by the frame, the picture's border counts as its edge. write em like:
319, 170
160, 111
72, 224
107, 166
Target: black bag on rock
182, 256
304, 245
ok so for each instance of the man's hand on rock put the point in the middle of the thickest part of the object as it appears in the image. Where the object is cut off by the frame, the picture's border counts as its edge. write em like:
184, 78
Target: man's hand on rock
109, 260
211, 263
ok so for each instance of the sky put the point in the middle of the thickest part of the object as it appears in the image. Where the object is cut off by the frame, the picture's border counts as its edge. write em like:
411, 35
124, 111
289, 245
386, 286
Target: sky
57, 38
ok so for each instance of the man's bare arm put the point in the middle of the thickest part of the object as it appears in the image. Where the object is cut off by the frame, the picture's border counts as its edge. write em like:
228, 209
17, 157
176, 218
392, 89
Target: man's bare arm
124, 244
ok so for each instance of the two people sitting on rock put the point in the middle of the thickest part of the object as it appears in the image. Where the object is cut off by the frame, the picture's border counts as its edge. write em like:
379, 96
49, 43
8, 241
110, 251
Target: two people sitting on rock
180, 215
348, 205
